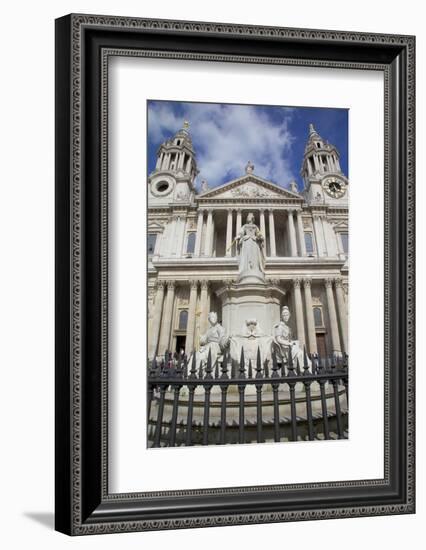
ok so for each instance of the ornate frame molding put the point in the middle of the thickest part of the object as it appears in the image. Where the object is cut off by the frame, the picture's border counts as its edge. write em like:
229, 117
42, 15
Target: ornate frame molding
84, 505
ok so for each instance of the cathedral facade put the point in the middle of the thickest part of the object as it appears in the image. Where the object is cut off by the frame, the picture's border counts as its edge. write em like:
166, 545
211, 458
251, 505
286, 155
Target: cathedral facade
193, 254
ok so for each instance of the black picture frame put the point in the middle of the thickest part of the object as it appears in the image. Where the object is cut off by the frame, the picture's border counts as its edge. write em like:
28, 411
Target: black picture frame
83, 44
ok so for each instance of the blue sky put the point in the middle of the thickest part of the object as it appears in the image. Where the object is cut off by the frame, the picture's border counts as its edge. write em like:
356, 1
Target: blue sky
226, 136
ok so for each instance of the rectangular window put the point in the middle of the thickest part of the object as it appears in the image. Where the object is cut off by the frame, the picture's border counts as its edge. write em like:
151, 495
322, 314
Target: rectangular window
190, 245
309, 243
152, 237
345, 242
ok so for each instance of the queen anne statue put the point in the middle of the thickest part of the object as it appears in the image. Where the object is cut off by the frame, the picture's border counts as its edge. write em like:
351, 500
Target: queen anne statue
250, 245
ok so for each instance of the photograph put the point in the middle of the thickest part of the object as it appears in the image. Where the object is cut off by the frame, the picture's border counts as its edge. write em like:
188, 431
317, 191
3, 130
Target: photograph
247, 273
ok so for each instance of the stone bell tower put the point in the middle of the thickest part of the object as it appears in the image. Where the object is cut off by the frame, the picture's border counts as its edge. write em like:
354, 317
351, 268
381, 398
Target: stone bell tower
324, 180
172, 181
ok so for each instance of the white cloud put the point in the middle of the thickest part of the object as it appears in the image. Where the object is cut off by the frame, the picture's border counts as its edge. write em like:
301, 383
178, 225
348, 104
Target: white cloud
227, 136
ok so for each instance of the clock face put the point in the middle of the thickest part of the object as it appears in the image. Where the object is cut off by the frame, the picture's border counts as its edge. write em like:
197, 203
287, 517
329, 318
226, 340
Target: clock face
335, 188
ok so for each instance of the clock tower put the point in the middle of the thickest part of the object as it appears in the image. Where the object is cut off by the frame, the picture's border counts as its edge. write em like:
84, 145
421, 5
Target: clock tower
172, 180
324, 180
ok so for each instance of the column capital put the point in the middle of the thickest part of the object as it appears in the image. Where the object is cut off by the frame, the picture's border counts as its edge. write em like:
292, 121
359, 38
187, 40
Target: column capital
171, 285
307, 282
297, 282
161, 284
193, 283
205, 284
328, 282
338, 281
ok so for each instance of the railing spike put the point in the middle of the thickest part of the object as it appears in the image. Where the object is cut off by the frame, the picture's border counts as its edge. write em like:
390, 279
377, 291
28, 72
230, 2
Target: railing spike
209, 365
266, 368
290, 359
258, 364
250, 370
216, 370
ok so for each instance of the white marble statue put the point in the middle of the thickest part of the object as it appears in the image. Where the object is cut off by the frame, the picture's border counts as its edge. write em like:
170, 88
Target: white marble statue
251, 338
283, 341
214, 341
250, 244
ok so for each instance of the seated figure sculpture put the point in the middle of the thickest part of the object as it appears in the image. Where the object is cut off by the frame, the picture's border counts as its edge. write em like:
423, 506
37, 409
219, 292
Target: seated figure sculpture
214, 341
283, 342
251, 339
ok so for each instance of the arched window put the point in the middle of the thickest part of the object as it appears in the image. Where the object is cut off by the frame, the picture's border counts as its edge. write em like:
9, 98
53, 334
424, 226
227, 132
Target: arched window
190, 245
318, 317
183, 319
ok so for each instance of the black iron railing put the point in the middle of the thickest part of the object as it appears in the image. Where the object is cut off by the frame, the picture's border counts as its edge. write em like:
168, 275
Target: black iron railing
173, 384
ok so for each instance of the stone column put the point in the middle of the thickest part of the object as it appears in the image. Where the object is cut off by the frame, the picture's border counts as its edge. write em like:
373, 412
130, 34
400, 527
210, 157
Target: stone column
263, 227
272, 233
343, 314
209, 233
300, 326
166, 161
197, 250
156, 319
229, 233
167, 318
316, 163
239, 220
204, 306
301, 233
310, 317
318, 237
292, 233
190, 329
324, 228
238, 228
334, 329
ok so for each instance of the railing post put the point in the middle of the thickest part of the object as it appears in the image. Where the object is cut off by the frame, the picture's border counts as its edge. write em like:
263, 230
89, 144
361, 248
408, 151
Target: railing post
241, 389
157, 436
259, 385
207, 390
224, 390
275, 386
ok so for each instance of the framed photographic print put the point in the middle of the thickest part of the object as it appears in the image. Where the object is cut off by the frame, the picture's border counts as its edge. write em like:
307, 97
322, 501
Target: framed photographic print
234, 257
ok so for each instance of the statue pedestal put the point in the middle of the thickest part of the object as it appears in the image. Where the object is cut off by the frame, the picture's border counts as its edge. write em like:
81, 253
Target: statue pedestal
241, 301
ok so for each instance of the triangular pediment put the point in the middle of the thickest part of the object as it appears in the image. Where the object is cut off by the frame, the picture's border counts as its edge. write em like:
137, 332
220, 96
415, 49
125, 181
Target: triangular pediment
249, 187
155, 226
342, 225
